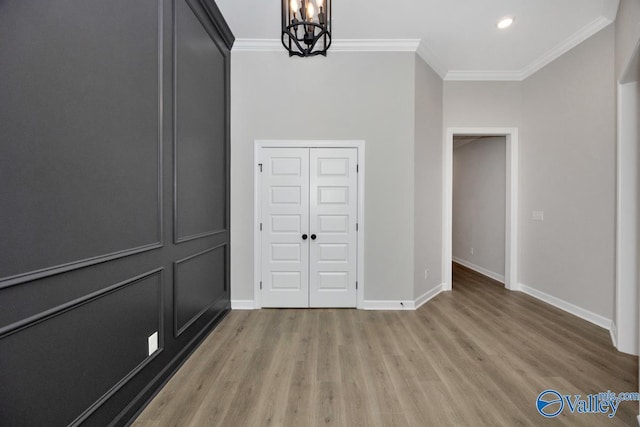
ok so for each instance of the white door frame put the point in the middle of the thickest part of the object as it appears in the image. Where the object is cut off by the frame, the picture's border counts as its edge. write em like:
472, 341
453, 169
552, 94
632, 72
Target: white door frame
511, 202
257, 215
625, 327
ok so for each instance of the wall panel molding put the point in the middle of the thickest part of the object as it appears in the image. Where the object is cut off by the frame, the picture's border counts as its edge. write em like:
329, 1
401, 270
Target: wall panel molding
165, 374
178, 329
75, 265
219, 40
41, 273
145, 362
91, 248
93, 297
199, 236
62, 308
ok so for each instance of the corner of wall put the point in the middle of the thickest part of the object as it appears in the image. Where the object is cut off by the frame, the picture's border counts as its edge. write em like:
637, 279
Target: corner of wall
429, 295
428, 104
613, 331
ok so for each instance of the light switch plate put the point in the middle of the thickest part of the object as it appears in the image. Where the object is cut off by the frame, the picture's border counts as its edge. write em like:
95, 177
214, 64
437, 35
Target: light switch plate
537, 216
153, 343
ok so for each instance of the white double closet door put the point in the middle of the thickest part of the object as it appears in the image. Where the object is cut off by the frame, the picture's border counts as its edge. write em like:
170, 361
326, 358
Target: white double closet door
309, 223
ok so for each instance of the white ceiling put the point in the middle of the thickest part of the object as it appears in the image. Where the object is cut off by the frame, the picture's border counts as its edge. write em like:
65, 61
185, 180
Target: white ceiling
459, 38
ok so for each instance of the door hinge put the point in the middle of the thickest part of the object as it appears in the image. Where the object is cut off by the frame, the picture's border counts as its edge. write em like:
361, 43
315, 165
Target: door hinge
356, 285
357, 168
260, 226
261, 284
356, 226
260, 166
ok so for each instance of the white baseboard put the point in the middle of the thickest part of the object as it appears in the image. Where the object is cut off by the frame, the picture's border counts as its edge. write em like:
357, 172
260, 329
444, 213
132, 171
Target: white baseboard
587, 315
427, 296
243, 304
638, 420
478, 269
401, 304
388, 305
249, 304
613, 331
514, 287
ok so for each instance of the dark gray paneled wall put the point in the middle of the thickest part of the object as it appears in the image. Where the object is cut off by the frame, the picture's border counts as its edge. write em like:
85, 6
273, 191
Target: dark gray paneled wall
80, 144
198, 164
114, 201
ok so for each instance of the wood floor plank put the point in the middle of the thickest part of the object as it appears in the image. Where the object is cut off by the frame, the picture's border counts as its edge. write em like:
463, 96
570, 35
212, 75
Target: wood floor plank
298, 411
327, 404
477, 356
357, 408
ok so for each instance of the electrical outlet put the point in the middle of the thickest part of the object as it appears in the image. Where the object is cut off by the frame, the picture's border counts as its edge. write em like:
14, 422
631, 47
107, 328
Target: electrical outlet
153, 343
471, 251
426, 274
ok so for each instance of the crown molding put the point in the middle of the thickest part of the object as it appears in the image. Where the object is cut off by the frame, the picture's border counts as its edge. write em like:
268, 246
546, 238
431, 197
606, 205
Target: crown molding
257, 45
375, 45
484, 76
337, 45
355, 45
429, 56
574, 40
562, 48
423, 51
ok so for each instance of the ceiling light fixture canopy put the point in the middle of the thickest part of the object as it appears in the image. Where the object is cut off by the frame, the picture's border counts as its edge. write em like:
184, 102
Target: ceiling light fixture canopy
506, 22
305, 32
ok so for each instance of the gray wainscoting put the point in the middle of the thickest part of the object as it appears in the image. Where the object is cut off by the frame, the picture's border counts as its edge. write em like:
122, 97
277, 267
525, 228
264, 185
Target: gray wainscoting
114, 201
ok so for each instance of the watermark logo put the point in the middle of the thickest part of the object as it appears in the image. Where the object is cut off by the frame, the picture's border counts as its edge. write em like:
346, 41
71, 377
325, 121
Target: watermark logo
550, 403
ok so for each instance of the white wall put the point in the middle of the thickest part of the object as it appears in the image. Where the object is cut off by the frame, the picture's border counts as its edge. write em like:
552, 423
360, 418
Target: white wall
428, 179
482, 104
564, 112
479, 186
367, 96
567, 170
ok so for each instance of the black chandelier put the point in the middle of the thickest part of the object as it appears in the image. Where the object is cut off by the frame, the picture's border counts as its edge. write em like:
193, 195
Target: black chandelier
301, 34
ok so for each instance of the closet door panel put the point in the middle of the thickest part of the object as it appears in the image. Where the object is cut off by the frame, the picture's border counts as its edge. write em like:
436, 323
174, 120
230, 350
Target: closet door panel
333, 217
308, 207
285, 219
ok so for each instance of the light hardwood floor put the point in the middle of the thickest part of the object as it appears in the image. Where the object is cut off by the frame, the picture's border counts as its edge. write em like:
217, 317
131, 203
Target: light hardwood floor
477, 356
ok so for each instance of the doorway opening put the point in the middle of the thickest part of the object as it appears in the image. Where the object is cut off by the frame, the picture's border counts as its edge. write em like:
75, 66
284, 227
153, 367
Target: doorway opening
510, 201
478, 215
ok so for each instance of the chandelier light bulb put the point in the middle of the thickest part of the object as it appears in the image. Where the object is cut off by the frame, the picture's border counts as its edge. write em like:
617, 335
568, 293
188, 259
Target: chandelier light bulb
294, 6
310, 11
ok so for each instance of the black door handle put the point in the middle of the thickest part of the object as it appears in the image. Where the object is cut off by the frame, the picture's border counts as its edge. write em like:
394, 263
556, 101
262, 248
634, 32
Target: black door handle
313, 237
304, 237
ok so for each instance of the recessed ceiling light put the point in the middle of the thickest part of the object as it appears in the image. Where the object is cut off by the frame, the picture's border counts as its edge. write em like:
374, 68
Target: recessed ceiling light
506, 22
